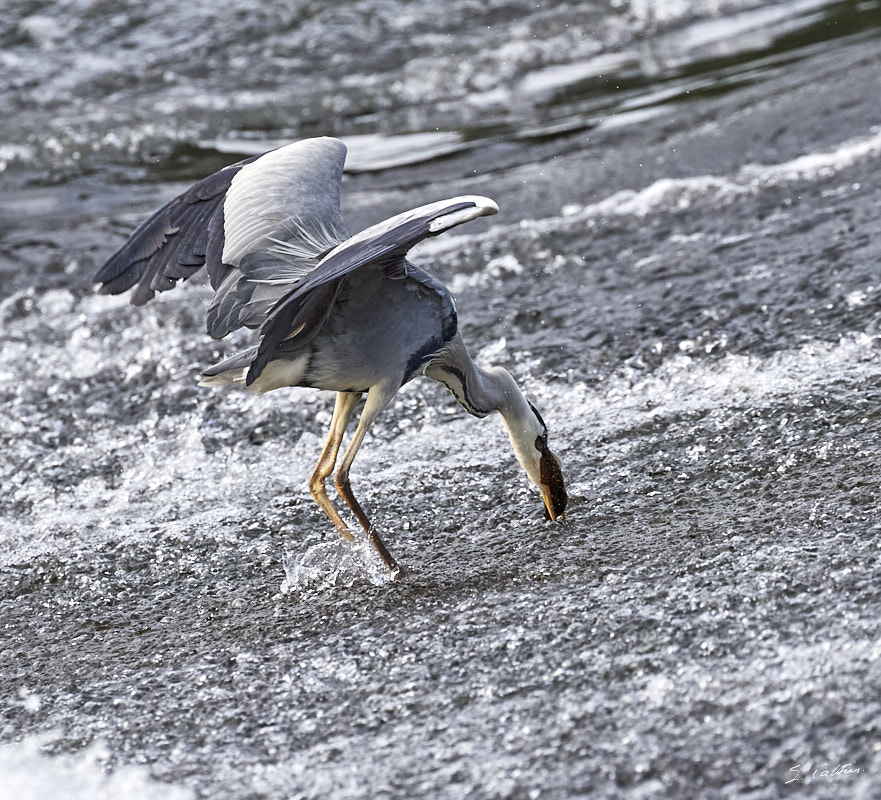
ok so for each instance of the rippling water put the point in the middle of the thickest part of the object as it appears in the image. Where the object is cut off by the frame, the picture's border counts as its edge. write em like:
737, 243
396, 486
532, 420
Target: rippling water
684, 276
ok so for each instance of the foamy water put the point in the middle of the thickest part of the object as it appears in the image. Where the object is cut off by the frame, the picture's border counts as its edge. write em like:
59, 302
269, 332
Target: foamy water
29, 774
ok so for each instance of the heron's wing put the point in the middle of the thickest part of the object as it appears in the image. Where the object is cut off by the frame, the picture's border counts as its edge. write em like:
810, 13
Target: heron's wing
286, 196
265, 221
178, 240
383, 245
267, 274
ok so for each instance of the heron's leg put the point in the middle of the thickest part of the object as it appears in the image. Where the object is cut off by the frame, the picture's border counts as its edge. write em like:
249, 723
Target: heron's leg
342, 413
377, 399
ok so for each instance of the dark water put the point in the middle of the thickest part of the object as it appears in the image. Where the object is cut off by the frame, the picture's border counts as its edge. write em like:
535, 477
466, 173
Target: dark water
684, 276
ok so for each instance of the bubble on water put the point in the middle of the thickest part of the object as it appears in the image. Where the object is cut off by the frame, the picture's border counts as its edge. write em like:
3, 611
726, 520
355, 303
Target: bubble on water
492, 352
30, 701
12, 153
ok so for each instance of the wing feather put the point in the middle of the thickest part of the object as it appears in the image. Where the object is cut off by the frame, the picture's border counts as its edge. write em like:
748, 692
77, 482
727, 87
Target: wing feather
278, 197
383, 245
301, 181
167, 239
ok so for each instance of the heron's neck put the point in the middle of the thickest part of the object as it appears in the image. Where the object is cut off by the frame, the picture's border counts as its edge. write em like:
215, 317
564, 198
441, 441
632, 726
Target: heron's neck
479, 391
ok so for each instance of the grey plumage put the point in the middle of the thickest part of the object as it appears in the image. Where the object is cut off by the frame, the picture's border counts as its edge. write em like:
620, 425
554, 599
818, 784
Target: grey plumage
339, 312
194, 224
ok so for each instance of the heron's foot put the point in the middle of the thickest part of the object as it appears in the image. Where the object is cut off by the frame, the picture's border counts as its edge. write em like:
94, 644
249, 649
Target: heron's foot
387, 558
346, 534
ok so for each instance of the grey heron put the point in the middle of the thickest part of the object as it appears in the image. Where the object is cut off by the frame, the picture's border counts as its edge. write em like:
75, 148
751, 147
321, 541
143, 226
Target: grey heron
343, 313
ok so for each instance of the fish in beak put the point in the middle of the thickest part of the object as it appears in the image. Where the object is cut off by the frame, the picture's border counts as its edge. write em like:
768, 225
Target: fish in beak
553, 490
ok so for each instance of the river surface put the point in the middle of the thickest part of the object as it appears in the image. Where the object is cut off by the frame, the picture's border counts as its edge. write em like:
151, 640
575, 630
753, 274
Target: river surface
685, 277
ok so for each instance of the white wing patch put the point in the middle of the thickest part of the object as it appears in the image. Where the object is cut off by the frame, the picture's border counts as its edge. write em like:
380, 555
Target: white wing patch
309, 240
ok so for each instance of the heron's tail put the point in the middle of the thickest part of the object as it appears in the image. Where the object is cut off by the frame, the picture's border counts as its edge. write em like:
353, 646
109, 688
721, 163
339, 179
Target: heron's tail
278, 373
230, 371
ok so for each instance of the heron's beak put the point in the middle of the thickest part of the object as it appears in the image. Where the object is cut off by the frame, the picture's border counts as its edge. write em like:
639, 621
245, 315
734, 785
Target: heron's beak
553, 491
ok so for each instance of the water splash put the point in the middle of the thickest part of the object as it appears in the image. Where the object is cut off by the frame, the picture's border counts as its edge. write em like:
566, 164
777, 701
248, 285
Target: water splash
335, 562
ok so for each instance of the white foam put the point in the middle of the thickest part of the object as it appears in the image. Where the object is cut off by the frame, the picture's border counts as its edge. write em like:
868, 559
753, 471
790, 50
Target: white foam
684, 384
28, 774
666, 11
665, 195
676, 194
670, 194
815, 166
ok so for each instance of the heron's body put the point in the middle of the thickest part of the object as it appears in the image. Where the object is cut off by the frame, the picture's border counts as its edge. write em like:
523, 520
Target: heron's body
358, 348
344, 313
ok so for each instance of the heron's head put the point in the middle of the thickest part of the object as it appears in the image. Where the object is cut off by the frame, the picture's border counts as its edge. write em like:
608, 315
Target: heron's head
529, 437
